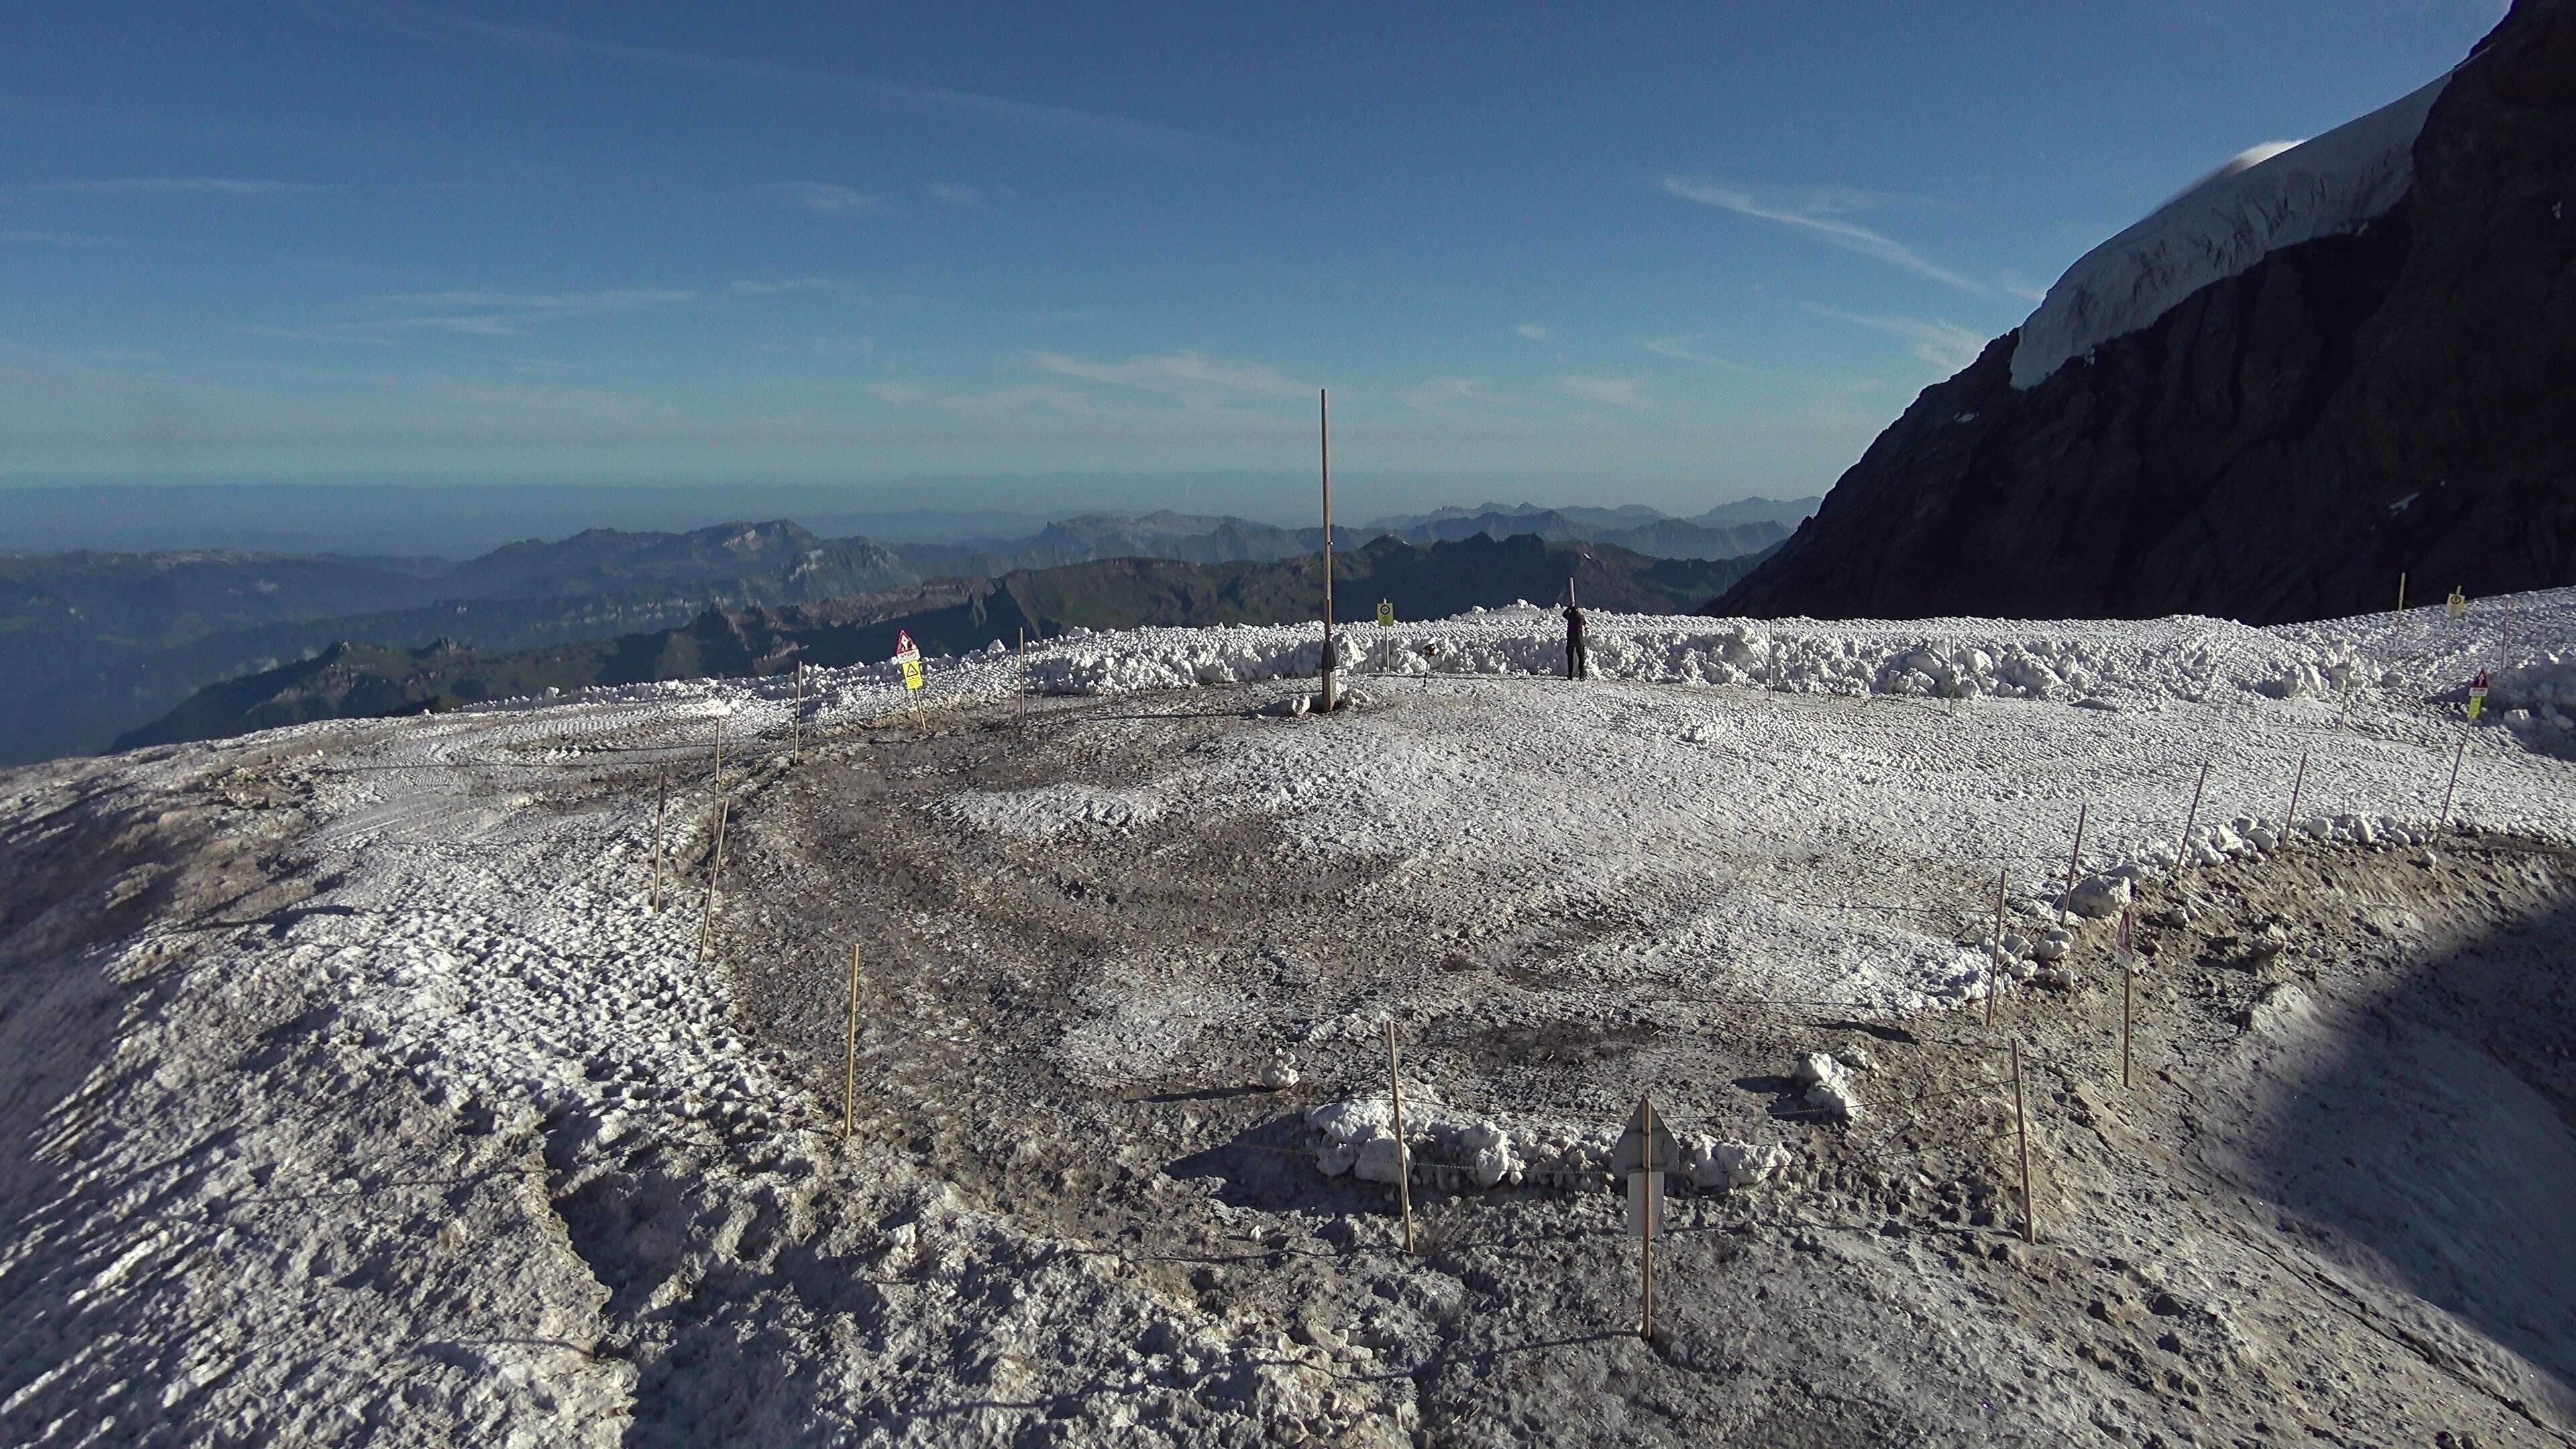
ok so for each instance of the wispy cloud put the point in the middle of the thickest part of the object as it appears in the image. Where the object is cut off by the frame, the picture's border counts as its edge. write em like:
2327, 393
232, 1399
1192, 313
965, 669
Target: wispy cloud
1943, 344
952, 193
513, 314
1617, 392
786, 286
1061, 122
830, 197
38, 237
1686, 349
1444, 395
991, 406
1177, 372
334, 335
1819, 214
1532, 331
171, 186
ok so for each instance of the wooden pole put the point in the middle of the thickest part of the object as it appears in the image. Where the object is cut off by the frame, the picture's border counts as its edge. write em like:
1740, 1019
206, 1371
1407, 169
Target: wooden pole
2449, 789
1647, 1327
2401, 600
850, 1075
2194, 817
2297, 780
2021, 1127
796, 727
2066, 902
1324, 451
707, 920
2128, 987
1024, 677
1403, 1153
1995, 958
661, 808
715, 782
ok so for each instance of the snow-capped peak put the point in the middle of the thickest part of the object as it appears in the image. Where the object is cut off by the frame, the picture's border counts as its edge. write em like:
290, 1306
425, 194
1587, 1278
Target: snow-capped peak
2267, 197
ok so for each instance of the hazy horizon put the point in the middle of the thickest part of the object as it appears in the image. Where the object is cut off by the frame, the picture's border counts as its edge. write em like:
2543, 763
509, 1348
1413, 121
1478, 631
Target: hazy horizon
458, 520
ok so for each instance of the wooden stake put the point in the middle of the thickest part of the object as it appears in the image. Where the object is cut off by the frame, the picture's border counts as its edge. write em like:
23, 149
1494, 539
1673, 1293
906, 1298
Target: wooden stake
707, 921
1403, 1153
661, 808
850, 1077
1024, 678
2296, 781
2128, 987
796, 729
2021, 1126
715, 782
1324, 451
1995, 958
1647, 1327
2194, 817
2401, 600
2449, 789
2066, 902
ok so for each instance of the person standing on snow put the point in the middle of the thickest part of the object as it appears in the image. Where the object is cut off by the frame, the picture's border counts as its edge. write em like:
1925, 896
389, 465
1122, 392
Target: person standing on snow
1578, 660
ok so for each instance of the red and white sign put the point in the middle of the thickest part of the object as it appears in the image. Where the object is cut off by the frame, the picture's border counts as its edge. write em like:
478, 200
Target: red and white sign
905, 651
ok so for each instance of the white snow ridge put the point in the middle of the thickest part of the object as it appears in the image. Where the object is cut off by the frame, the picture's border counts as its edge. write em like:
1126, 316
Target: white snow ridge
2223, 225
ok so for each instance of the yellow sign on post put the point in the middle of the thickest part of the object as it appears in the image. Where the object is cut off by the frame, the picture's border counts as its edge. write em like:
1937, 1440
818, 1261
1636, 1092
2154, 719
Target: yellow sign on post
908, 655
1385, 614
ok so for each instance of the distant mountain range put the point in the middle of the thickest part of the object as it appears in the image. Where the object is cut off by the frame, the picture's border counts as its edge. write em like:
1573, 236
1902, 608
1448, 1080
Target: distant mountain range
95, 644
352, 680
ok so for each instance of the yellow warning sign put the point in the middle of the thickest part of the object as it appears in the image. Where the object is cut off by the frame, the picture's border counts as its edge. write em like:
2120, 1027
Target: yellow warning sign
908, 655
1385, 613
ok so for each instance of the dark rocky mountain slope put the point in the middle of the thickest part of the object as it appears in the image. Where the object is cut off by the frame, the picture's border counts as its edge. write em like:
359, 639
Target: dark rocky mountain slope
2286, 441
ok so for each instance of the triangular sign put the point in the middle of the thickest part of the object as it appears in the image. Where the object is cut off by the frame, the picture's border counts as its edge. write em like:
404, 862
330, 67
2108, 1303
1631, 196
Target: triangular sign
1630, 1154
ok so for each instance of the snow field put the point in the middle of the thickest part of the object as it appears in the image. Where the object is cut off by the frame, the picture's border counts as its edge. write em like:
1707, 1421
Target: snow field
1785, 811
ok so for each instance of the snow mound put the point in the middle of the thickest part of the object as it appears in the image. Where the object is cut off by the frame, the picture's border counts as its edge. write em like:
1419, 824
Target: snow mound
1357, 1137
1829, 1086
2223, 225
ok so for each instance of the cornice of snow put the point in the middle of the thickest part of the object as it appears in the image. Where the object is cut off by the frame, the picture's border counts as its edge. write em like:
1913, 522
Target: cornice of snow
2223, 225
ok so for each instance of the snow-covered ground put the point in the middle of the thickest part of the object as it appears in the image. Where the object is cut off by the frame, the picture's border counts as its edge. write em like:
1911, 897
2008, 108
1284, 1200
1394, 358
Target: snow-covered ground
337, 1053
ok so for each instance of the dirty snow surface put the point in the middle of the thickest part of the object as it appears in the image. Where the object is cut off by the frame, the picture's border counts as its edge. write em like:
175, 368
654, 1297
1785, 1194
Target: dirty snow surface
355, 1090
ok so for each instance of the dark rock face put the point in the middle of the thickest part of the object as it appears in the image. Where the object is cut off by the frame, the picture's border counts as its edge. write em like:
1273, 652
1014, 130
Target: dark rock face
2284, 443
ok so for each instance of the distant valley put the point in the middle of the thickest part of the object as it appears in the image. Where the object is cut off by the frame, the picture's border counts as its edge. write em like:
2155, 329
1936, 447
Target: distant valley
356, 680
101, 644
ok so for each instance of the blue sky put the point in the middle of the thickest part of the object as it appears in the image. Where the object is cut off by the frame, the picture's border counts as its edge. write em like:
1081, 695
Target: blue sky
1662, 253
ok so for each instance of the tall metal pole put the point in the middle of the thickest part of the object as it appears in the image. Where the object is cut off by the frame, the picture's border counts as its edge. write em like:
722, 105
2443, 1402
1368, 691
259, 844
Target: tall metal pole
1324, 451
